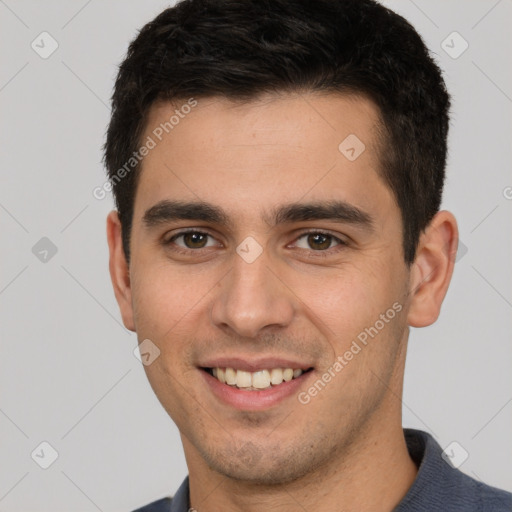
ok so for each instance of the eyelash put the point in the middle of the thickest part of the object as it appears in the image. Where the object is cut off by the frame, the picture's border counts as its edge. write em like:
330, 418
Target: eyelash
318, 254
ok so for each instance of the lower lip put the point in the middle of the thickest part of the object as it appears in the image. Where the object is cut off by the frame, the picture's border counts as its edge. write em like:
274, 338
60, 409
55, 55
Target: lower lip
254, 400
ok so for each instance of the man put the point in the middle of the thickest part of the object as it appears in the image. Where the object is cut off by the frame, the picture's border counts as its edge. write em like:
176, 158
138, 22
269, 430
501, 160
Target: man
277, 168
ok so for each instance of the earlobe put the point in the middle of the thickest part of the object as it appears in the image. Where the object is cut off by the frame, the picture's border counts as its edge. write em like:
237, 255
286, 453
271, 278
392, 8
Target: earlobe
432, 269
119, 271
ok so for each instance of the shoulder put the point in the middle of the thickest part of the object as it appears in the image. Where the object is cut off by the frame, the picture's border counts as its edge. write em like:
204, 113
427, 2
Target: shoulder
439, 486
493, 499
162, 505
178, 503
476, 496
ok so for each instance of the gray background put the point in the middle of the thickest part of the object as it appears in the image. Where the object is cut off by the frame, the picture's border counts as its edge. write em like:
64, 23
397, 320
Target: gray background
68, 375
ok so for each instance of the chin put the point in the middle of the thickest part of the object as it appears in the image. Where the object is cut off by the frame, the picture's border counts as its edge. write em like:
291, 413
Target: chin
256, 465
260, 475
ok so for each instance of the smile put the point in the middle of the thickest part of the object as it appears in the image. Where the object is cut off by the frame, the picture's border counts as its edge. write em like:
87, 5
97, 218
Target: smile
255, 381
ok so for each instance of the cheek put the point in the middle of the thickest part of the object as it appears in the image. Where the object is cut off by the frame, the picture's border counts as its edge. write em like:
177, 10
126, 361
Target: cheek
165, 297
342, 302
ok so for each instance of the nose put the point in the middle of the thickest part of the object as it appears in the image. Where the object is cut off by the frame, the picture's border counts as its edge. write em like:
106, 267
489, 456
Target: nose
252, 298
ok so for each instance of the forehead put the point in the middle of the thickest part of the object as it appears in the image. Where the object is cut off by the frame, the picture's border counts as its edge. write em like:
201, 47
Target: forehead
270, 119
273, 150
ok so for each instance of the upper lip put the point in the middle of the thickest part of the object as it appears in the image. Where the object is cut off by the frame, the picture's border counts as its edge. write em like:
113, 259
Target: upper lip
254, 364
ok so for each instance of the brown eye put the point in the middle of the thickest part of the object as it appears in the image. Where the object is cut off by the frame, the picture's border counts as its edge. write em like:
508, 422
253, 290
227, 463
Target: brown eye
195, 240
191, 240
318, 241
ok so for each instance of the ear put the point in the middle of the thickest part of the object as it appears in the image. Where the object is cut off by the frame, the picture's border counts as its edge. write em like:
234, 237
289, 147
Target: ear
432, 269
119, 271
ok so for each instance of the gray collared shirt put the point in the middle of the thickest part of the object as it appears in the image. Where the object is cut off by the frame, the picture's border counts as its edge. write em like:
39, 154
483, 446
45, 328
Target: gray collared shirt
438, 486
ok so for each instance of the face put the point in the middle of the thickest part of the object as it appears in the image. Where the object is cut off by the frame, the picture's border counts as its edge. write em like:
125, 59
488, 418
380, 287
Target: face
290, 259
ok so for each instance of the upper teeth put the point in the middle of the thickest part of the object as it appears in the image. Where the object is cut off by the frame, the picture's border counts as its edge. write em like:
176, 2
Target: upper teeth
257, 380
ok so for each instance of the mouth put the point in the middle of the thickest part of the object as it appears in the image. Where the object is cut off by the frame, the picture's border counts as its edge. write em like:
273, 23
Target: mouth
260, 380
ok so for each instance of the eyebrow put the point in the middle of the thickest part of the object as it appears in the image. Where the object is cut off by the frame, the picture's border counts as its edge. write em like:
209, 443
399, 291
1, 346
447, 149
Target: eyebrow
341, 211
